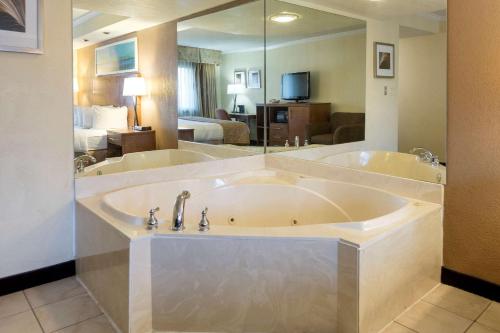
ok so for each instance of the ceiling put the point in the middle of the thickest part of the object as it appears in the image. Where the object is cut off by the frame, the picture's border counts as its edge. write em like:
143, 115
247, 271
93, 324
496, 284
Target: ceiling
102, 16
79, 13
242, 28
97, 20
383, 9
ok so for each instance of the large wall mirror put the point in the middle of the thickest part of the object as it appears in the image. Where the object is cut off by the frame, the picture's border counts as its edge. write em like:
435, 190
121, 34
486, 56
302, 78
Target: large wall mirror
356, 84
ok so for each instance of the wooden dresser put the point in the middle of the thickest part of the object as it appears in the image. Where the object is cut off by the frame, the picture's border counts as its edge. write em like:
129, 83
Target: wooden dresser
287, 120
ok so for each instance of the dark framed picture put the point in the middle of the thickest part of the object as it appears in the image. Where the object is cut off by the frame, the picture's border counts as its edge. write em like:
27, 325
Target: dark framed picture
253, 79
384, 55
21, 26
240, 77
117, 58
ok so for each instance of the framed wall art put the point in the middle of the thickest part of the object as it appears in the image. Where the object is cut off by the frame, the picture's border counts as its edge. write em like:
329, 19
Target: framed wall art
384, 60
117, 58
21, 26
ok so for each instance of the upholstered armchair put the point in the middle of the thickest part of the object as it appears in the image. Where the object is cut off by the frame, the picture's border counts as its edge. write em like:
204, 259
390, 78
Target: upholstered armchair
343, 127
222, 114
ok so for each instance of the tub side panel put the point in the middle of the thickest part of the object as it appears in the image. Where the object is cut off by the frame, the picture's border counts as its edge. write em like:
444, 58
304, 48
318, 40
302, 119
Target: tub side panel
102, 264
140, 286
398, 270
244, 285
348, 293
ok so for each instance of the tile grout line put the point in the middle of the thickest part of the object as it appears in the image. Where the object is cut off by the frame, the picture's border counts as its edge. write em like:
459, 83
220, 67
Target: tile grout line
482, 312
33, 311
64, 299
411, 329
487, 326
78, 322
54, 302
456, 314
469, 327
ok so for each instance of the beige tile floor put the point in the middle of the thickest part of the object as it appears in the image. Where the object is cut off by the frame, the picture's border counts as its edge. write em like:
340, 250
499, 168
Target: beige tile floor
449, 310
64, 307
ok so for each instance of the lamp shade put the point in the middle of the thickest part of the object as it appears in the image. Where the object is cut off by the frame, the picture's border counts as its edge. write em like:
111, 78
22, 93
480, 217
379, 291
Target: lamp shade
134, 86
234, 89
75, 85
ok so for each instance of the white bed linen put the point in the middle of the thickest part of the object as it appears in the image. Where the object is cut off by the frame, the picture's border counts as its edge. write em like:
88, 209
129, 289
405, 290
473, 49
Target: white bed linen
87, 139
202, 131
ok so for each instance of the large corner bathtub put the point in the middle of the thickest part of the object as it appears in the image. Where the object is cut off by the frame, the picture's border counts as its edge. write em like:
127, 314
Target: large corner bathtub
146, 160
264, 199
389, 163
286, 252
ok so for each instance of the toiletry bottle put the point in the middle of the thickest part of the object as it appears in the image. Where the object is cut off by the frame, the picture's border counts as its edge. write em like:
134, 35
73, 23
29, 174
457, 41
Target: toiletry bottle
287, 144
297, 142
306, 142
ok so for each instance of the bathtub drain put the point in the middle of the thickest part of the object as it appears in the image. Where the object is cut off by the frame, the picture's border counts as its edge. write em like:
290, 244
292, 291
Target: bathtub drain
232, 221
295, 222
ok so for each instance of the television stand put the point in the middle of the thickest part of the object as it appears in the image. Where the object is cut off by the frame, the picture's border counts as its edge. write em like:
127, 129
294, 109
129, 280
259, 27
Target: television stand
287, 120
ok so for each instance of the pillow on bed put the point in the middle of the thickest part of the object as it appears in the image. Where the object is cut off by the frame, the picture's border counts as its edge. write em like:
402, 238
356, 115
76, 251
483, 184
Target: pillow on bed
86, 116
110, 117
76, 116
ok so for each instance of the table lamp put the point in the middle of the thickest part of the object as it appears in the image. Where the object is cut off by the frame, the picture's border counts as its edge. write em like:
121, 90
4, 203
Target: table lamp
135, 86
235, 89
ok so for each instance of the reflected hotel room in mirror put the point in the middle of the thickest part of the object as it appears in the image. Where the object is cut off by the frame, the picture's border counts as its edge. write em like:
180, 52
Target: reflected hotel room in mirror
248, 166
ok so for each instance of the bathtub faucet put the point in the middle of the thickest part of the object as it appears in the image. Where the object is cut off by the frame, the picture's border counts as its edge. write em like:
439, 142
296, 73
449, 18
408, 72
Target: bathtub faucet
178, 218
80, 162
425, 155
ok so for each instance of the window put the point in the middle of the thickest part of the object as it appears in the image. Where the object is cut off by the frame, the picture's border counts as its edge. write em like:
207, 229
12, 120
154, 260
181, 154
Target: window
187, 92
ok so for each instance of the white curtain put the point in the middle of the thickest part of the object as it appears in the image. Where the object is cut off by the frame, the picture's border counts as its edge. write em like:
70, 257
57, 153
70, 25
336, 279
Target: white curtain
187, 99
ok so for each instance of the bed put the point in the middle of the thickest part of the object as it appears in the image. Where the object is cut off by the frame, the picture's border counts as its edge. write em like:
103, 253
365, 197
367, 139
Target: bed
216, 131
91, 125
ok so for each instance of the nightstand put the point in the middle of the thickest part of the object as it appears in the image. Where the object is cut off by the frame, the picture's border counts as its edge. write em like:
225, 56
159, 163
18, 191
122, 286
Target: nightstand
186, 134
121, 142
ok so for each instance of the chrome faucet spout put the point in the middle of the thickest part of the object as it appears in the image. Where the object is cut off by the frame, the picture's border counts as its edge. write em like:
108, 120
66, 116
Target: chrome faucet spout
425, 155
80, 161
178, 217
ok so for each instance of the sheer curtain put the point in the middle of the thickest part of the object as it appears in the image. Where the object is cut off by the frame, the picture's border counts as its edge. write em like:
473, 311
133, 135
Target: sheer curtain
187, 92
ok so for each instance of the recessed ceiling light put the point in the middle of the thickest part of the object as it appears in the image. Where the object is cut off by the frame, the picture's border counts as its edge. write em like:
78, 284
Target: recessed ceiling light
284, 17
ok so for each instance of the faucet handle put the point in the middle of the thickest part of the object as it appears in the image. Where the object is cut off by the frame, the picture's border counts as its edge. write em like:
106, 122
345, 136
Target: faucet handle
204, 224
152, 220
435, 160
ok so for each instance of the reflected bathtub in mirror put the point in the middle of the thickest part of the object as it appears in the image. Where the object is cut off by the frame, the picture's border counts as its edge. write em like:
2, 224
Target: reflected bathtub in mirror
390, 163
145, 160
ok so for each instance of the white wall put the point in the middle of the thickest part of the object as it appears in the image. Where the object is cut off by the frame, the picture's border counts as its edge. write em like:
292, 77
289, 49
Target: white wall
243, 60
422, 94
381, 110
337, 67
36, 145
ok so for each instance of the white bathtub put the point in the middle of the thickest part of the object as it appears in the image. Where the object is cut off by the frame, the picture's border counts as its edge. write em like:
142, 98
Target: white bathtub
390, 163
263, 199
146, 160
261, 271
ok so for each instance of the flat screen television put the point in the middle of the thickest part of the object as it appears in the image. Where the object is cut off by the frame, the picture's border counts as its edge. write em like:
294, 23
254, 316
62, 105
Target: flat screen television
296, 86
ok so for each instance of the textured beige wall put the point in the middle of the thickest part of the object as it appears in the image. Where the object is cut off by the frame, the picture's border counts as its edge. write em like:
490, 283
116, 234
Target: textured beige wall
472, 197
158, 64
36, 167
337, 67
422, 93
157, 47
